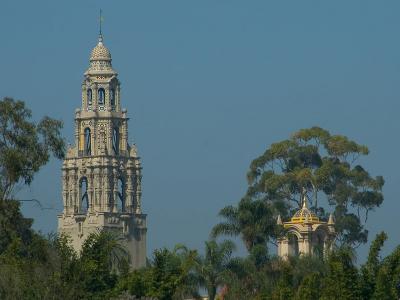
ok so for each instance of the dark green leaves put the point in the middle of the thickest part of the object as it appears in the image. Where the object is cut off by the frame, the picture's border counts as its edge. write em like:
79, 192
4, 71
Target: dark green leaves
319, 163
25, 146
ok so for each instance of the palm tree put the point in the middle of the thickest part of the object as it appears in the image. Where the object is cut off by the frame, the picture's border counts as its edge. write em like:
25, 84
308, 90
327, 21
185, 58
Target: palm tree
212, 268
107, 247
252, 219
188, 286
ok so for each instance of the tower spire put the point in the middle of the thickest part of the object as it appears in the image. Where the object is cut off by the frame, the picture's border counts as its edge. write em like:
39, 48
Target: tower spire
100, 25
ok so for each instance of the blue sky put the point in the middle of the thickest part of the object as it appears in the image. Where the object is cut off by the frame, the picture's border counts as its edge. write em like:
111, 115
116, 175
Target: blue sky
208, 86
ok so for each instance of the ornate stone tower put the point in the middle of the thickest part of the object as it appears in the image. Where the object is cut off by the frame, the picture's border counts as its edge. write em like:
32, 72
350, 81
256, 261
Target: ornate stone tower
305, 234
101, 173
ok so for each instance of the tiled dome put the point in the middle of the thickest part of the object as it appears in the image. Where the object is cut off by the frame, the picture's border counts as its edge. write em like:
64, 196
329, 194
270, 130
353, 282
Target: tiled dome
304, 215
100, 52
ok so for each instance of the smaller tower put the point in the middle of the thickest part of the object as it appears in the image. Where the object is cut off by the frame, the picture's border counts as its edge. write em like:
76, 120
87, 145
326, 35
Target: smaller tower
305, 234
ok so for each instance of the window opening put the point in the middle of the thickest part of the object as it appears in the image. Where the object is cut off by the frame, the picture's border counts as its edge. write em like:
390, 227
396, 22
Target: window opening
89, 97
115, 141
87, 146
83, 191
101, 96
121, 195
293, 245
112, 97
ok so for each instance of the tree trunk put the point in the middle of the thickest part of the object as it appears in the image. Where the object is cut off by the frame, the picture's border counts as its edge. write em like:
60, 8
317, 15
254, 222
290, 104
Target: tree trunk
212, 291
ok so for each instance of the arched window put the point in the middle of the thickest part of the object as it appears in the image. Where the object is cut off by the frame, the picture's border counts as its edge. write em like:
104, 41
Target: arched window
87, 148
83, 194
89, 97
112, 97
121, 195
293, 245
318, 245
115, 140
101, 96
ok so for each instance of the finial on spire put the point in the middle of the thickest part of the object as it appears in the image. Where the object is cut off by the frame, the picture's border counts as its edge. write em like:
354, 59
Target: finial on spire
331, 221
279, 220
100, 23
304, 200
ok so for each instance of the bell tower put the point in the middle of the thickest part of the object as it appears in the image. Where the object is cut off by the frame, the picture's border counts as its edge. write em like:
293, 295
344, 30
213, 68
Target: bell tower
305, 234
101, 174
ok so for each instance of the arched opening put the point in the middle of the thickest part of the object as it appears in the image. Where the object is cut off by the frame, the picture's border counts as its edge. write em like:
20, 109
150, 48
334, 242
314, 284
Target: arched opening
115, 140
101, 96
121, 195
89, 97
293, 245
112, 97
87, 148
318, 244
83, 194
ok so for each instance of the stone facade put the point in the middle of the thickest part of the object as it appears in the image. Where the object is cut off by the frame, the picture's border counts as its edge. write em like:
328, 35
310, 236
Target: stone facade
305, 234
101, 174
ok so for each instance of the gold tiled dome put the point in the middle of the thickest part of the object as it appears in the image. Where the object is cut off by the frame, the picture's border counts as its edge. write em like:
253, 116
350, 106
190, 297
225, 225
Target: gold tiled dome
100, 52
304, 215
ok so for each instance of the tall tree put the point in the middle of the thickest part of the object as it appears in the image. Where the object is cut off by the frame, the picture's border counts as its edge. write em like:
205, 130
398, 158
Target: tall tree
25, 145
102, 257
251, 219
212, 267
321, 165
387, 282
369, 271
342, 280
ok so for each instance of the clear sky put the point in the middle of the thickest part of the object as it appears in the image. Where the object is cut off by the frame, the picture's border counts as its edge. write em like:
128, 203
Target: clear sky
208, 86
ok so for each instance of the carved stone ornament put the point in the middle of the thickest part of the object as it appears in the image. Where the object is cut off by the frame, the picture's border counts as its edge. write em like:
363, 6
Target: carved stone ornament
113, 220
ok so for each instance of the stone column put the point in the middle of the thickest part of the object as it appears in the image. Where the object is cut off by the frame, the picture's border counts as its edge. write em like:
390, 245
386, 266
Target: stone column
138, 192
64, 179
94, 97
306, 244
115, 191
107, 187
124, 134
75, 187
129, 201
117, 98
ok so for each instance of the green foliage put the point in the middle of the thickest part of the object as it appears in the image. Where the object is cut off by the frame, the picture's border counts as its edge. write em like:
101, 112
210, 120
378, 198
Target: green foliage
310, 287
101, 257
284, 287
136, 283
342, 280
313, 162
212, 267
25, 146
14, 226
388, 277
169, 276
251, 219
369, 271
36, 267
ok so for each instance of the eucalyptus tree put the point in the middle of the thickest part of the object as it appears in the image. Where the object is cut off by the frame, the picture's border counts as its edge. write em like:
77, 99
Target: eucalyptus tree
315, 163
25, 145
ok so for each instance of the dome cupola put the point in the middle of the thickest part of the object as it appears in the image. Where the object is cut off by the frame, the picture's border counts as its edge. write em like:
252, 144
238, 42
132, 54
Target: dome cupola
100, 52
100, 60
304, 215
